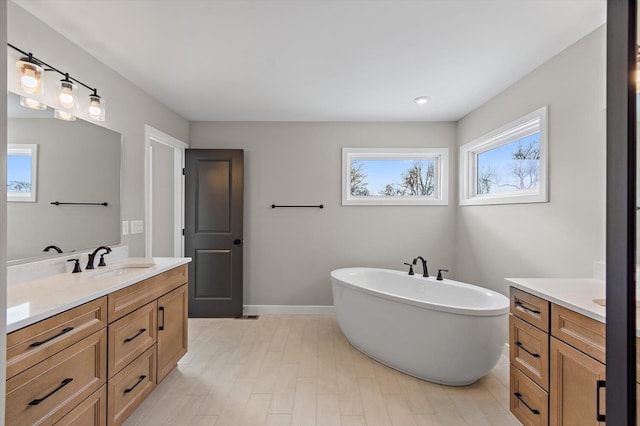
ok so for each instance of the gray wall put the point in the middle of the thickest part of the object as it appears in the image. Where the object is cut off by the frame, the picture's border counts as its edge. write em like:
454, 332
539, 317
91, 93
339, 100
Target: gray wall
128, 107
162, 196
77, 162
564, 237
3, 206
290, 252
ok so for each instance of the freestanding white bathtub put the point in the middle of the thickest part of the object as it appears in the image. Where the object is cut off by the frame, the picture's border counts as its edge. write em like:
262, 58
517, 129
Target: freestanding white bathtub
445, 332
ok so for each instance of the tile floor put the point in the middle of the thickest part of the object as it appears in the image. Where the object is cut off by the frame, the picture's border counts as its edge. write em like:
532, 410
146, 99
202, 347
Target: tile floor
300, 370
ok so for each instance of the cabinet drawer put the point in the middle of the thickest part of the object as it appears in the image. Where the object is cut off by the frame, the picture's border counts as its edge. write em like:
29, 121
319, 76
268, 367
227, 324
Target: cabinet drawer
128, 388
130, 336
128, 299
528, 402
47, 391
529, 351
91, 412
581, 332
530, 308
30, 345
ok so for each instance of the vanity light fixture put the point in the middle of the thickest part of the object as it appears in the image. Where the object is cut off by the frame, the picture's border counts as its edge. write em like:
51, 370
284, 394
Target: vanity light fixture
32, 103
29, 75
63, 115
421, 100
30, 80
67, 93
96, 106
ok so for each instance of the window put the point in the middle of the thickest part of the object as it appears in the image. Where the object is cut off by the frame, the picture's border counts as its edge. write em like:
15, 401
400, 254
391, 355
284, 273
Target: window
508, 165
386, 176
22, 163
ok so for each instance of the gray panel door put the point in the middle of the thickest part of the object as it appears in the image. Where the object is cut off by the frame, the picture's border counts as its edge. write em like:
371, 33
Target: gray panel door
213, 231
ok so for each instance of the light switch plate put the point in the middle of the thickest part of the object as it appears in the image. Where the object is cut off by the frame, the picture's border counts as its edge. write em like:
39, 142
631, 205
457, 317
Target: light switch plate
125, 227
137, 226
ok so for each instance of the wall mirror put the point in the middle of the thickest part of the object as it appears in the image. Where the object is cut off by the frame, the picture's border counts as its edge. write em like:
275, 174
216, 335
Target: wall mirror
76, 162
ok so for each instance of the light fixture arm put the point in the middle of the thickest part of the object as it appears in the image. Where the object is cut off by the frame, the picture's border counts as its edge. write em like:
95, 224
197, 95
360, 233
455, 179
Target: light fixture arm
40, 62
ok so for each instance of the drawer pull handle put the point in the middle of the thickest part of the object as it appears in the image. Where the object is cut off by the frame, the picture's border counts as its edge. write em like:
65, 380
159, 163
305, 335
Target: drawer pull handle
128, 339
521, 346
600, 384
161, 309
64, 383
140, 379
64, 331
520, 304
519, 396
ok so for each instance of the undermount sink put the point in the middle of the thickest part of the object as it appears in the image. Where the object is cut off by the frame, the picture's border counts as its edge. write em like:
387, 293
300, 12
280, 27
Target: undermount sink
128, 265
603, 302
118, 271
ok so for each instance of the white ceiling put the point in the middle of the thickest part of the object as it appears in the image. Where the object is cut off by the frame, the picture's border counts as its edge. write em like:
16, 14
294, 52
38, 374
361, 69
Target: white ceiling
312, 60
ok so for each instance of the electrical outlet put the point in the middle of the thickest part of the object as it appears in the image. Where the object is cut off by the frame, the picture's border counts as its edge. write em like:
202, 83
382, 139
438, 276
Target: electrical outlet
137, 226
125, 227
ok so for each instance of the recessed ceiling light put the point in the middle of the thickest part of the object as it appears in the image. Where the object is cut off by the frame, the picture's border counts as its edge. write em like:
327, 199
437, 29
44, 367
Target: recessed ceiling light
421, 100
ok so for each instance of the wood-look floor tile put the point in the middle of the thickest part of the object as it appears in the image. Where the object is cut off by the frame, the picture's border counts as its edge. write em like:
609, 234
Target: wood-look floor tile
203, 421
304, 404
328, 411
236, 402
185, 410
283, 370
278, 420
399, 410
375, 411
353, 421
257, 410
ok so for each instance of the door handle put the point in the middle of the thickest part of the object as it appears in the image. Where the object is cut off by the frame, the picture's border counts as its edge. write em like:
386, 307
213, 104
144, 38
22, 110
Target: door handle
237, 241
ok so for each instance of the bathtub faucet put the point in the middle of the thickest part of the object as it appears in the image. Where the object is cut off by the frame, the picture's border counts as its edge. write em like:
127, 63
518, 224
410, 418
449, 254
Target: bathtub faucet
425, 272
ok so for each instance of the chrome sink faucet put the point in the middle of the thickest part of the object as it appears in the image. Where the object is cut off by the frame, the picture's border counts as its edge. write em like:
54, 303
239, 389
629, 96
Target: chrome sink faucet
425, 272
92, 257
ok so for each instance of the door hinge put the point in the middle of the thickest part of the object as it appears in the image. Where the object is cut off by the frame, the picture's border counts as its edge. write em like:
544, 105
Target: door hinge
183, 232
183, 171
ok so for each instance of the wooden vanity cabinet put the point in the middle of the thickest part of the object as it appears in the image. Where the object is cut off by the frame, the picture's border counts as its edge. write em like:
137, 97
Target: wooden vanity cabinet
529, 358
563, 360
148, 335
56, 364
30, 345
94, 364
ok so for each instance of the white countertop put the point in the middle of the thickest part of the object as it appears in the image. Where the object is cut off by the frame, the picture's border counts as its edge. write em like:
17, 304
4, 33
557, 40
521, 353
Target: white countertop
576, 294
33, 301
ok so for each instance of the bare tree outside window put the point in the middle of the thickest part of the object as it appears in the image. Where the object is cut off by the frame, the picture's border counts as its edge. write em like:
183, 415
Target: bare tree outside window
511, 167
413, 182
418, 178
18, 186
358, 183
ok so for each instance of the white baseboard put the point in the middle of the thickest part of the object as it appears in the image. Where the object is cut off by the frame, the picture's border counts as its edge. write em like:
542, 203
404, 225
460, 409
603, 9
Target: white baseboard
287, 310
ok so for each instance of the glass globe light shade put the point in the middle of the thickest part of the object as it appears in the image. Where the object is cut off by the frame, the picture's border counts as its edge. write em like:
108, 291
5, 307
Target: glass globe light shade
67, 97
96, 107
29, 76
63, 115
32, 103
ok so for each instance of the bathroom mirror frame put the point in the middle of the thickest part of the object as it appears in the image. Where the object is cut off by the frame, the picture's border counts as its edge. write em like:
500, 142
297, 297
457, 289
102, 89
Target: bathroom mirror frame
74, 212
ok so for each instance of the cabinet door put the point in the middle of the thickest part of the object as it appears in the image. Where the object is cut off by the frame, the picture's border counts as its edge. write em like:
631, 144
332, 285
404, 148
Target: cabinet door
573, 392
172, 329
